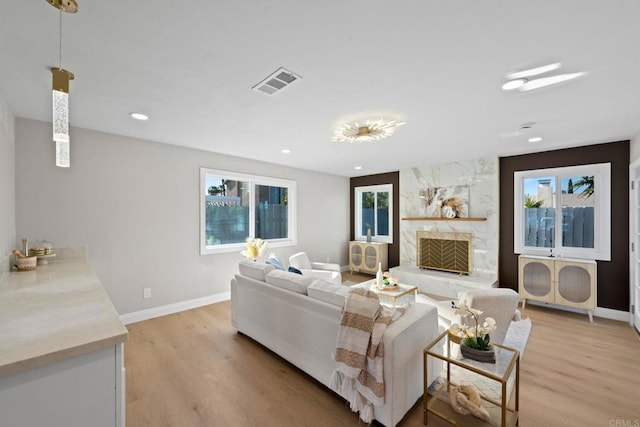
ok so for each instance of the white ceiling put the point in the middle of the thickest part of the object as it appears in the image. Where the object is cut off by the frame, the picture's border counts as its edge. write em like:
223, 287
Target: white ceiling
438, 65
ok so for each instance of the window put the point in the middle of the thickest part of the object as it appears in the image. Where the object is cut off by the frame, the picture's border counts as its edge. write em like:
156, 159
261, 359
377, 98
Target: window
564, 212
374, 213
234, 206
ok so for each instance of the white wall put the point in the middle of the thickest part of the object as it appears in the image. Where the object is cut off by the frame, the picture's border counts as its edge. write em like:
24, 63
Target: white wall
635, 148
7, 180
135, 204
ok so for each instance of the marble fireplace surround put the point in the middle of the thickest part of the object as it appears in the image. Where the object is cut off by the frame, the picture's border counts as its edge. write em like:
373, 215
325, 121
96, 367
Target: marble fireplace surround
481, 175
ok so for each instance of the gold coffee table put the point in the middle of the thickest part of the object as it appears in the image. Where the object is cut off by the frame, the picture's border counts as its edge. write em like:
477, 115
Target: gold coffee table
393, 295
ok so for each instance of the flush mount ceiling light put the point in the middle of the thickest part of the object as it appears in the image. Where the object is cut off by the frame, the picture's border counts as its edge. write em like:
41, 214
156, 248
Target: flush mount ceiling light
276, 81
523, 81
60, 89
370, 131
69, 6
514, 84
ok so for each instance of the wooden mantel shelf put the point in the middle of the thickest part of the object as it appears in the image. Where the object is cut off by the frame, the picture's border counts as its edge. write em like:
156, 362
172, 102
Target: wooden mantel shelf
427, 218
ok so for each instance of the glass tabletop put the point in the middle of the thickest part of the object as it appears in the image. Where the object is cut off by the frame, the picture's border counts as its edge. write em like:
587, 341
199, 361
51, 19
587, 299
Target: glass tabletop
449, 351
402, 289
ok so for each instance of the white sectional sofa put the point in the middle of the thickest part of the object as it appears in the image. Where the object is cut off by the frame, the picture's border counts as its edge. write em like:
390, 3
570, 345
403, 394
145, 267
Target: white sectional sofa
298, 317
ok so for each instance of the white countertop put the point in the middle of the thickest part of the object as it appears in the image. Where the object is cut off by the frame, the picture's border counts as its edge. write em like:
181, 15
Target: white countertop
558, 258
58, 311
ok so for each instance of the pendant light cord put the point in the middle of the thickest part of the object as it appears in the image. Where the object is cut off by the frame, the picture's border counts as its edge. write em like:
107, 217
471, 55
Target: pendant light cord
60, 50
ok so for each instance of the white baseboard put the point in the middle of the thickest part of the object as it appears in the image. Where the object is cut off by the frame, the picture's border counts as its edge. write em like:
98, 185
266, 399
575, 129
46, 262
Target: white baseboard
606, 313
150, 313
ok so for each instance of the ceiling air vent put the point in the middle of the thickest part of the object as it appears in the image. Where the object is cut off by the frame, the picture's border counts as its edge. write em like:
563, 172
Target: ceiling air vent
277, 81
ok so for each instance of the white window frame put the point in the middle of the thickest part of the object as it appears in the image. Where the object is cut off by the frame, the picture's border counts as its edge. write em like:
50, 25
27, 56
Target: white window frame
253, 180
382, 188
602, 212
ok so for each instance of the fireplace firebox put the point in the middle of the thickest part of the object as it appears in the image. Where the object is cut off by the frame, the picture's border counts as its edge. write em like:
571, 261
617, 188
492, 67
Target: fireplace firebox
445, 251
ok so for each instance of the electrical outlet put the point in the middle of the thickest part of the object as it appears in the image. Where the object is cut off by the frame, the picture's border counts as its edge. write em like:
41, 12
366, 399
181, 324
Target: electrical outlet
146, 293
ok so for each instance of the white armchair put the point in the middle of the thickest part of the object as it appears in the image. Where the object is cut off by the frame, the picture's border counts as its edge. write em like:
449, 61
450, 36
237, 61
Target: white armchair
499, 303
321, 270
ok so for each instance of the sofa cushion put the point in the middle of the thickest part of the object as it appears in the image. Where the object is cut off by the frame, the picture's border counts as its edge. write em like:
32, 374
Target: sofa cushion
328, 292
255, 270
290, 281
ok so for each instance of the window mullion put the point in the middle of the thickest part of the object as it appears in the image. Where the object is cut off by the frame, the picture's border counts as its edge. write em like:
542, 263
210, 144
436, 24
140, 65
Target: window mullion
252, 209
557, 200
375, 213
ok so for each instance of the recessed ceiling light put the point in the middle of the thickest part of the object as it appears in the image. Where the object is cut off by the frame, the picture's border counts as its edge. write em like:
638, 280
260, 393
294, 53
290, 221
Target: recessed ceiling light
357, 168
535, 139
285, 151
139, 116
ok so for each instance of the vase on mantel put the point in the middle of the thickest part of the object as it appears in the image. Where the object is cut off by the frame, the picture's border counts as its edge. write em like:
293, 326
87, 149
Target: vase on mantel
486, 356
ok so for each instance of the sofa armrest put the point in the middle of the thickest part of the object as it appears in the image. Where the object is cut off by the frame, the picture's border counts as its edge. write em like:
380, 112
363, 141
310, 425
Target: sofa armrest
404, 342
325, 266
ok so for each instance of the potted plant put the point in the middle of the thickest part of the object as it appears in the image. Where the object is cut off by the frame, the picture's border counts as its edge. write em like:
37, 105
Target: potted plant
476, 342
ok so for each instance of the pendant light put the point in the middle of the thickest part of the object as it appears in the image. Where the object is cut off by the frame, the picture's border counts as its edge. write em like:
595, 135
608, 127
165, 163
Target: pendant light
60, 88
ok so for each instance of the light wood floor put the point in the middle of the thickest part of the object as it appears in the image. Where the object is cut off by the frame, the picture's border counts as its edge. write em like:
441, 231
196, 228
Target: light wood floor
193, 369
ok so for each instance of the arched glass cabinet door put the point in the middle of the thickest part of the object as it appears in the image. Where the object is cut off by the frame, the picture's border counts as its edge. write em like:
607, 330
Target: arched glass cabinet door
356, 255
371, 257
574, 284
537, 279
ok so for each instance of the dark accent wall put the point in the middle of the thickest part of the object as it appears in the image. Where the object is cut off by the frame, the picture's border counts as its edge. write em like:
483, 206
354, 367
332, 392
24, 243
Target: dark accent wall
379, 179
613, 276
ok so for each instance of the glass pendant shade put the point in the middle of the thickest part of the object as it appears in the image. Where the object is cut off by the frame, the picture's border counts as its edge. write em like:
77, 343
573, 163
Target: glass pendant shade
60, 87
63, 156
60, 116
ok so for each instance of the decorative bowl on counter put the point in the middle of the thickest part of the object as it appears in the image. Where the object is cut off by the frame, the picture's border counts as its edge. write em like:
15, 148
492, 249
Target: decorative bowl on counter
27, 263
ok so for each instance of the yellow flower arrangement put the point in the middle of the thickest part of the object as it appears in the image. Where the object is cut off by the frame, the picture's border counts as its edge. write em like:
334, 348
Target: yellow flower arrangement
255, 248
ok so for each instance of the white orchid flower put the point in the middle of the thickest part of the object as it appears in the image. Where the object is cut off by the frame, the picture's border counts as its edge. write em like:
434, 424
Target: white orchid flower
474, 311
490, 323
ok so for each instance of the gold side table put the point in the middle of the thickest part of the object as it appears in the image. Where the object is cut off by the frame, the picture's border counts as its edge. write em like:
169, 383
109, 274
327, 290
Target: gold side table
507, 364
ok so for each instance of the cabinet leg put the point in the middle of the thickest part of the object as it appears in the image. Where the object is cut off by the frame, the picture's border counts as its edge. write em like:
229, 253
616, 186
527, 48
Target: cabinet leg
524, 302
590, 313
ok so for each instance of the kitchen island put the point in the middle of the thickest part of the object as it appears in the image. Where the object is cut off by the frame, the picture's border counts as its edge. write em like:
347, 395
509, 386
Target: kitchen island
61, 348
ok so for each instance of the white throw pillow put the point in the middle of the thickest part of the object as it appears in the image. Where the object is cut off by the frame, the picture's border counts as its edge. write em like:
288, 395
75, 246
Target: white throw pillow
254, 269
328, 292
290, 281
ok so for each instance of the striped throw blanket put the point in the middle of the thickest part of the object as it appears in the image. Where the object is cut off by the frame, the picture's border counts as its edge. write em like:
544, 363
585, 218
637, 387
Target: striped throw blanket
359, 351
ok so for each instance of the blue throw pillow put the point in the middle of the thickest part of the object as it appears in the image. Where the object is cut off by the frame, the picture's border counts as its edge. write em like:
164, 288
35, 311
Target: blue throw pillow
273, 260
295, 270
